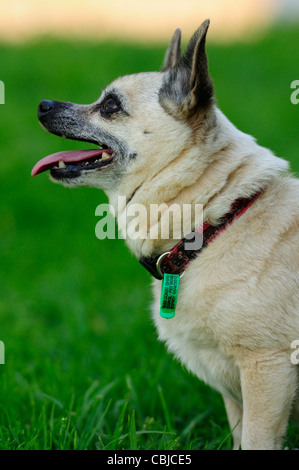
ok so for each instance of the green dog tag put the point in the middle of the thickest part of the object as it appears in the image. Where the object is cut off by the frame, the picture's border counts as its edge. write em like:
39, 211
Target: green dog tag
169, 295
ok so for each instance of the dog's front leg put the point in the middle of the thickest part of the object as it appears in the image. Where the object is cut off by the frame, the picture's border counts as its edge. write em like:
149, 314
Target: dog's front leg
268, 381
234, 413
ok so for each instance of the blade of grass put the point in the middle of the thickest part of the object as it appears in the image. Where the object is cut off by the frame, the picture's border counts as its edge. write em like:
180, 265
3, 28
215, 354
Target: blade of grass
118, 428
132, 431
165, 409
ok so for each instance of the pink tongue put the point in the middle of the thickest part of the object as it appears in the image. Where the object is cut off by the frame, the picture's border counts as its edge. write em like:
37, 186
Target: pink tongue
67, 157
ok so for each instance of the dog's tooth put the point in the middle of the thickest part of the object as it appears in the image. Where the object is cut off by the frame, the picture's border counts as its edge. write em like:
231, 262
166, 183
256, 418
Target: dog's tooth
105, 156
61, 164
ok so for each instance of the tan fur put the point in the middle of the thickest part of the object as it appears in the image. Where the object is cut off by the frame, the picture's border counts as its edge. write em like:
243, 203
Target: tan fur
237, 311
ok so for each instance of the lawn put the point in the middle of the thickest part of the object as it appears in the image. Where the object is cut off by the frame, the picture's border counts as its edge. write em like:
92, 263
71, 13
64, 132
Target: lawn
84, 369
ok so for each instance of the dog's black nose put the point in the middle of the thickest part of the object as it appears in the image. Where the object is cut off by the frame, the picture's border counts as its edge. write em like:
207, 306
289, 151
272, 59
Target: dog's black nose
45, 107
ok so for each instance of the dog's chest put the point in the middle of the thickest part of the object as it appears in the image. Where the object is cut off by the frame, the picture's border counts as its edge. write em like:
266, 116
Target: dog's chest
195, 345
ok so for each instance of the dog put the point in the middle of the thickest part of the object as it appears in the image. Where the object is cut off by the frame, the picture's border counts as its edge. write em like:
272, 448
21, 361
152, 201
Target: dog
162, 139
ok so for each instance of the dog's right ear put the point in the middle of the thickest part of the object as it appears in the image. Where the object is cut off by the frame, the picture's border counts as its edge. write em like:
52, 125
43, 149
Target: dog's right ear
187, 89
173, 53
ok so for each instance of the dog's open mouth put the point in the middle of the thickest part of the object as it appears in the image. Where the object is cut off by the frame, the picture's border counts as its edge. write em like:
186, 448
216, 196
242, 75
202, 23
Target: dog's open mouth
70, 164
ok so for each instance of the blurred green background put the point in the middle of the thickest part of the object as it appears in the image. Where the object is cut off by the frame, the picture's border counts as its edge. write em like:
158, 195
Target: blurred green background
83, 366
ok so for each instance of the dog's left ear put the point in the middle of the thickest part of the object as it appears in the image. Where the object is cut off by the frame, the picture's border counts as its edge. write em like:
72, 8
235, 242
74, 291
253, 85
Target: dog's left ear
187, 87
173, 53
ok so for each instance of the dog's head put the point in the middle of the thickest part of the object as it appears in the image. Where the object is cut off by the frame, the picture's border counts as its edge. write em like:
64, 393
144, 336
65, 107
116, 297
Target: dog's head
140, 122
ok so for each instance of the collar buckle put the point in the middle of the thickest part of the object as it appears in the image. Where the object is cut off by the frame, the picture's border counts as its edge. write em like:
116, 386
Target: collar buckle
158, 265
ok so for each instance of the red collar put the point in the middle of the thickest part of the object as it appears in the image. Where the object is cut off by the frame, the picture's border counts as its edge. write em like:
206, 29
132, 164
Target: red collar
176, 260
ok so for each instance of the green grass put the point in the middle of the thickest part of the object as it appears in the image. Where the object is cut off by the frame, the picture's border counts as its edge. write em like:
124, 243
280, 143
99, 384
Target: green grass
84, 369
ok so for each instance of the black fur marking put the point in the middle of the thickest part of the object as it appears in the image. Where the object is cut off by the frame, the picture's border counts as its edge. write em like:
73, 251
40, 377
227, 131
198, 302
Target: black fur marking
132, 156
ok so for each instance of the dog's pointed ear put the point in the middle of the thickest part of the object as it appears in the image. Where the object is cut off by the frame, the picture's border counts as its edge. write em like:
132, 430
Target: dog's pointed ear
173, 53
196, 59
188, 88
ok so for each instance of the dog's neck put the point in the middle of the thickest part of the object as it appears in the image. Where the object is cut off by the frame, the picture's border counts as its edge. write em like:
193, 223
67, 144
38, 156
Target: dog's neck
217, 166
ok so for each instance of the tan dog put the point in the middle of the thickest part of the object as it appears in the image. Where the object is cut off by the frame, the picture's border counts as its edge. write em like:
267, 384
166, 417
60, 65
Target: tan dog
165, 141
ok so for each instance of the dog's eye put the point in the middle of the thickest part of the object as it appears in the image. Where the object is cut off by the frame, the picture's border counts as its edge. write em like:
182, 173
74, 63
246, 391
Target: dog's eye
110, 105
